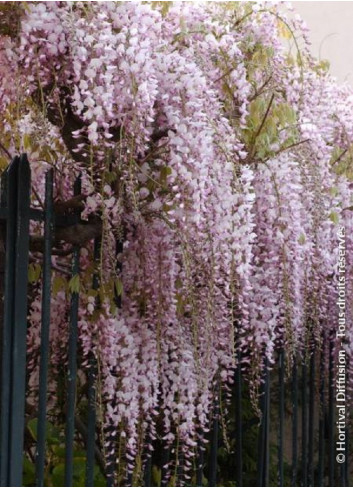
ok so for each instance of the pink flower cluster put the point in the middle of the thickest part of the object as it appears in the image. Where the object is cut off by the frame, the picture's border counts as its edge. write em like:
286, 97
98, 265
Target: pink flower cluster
222, 244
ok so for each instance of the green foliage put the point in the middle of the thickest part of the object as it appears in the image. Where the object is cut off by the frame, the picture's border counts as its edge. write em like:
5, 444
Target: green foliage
34, 272
302, 239
55, 460
250, 432
118, 287
74, 284
59, 284
10, 17
250, 437
342, 161
267, 118
156, 476
333, 216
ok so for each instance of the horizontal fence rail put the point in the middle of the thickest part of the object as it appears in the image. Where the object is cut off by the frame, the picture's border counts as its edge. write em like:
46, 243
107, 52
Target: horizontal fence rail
291, 441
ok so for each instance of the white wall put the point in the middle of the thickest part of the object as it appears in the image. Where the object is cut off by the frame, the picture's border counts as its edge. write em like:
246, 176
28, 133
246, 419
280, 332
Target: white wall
331, 26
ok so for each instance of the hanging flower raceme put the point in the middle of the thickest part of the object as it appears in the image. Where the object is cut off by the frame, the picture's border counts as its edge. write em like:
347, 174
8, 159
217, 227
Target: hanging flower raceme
214, 173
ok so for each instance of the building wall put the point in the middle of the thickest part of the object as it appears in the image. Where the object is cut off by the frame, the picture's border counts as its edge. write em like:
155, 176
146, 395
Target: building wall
331, 26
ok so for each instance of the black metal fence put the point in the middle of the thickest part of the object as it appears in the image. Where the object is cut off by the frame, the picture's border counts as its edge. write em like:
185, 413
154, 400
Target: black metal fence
294, 444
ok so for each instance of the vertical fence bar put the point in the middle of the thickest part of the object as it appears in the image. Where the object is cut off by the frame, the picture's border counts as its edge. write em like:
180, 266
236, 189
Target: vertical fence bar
331, 420
294, 422
311, 420
111, 459
147, 474
10, 180
164, 466
267, 445
343, 466
180, 469
342, 470
321, 453
19, 326
263, 445
261, 441
147, 478
238, 424
72, 365
3, 204
214, 446
129, 476
346, 451
44, 338
304, 426
199, 460
91, 422
281, 417
91, 394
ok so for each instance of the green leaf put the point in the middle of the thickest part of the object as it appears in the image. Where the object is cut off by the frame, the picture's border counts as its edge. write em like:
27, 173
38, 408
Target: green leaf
92, 293
99, 479
79, 454
28, 472
26, 141
79, 471
53, 434
118, 287
156, 475
74, 284
164, 173
167, 207
334, 191
58, 475
59, 451
3, 162
59, 284
32, 428
34, 271
334, 217
302, 239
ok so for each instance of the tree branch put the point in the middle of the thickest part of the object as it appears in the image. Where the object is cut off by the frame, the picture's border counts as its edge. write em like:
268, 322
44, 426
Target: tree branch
4, 150
76, 235
76, 203
337, 160
258, 132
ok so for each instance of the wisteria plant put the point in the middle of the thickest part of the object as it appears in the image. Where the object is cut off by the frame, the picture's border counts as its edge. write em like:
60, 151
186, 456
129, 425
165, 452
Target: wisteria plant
215, 158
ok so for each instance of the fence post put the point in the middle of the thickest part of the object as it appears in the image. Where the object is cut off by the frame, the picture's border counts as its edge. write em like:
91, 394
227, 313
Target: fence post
238, 423
92, 374
294, 422
331, 417
165, 459
311, 437
304, 425
214, 445
281, 367
19, 326
9, 187
72, 364
147, 473
44, 339
263, 440
321, 455
200, 458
